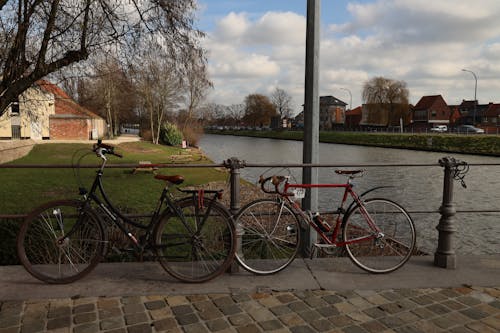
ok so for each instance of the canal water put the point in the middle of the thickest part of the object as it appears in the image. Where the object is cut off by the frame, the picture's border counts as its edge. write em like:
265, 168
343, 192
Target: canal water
418, 189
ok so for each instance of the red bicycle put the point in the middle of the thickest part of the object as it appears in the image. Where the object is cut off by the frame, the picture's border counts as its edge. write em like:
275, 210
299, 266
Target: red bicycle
378, 234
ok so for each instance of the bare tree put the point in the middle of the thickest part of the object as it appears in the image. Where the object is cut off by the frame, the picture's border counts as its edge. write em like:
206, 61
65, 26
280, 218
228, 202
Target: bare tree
381, 95
236, 112
196, 83
109, 92
40, 37
158, 88
282, 102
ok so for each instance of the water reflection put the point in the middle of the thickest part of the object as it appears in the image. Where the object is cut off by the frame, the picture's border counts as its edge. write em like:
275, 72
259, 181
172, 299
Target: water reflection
416, 188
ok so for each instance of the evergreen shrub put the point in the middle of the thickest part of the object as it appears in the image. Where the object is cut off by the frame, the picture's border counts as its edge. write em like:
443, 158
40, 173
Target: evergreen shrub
170, 135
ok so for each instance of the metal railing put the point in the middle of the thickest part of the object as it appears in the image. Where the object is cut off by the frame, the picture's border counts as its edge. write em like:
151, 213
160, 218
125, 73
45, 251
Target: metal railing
444, 256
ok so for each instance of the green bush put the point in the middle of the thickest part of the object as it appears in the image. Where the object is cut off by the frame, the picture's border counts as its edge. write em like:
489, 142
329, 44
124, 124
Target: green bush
170, 135
8, 233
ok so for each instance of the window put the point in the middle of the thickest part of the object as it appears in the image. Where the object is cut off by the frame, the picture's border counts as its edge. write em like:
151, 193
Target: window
14, 108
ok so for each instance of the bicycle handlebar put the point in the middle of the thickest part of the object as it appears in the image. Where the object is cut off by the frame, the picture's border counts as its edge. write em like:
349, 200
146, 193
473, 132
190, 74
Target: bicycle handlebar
276, 181
102, 148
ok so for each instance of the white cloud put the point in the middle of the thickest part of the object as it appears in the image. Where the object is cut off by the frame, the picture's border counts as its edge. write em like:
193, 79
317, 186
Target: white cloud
423, 42
245, 66
410, 21
278, 29
232, 27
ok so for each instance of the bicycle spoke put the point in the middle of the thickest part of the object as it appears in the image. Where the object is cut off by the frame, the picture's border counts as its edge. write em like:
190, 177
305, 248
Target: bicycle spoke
383, 253
41, 253
206, 253
268, 245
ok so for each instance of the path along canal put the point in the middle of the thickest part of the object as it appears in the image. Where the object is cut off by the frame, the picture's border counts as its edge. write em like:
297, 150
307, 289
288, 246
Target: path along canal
418, 189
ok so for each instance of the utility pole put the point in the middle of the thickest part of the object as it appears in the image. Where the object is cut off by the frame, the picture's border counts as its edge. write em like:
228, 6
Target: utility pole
310, 152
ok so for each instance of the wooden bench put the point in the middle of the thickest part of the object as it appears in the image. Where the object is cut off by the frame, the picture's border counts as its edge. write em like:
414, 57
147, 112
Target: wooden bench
145, 166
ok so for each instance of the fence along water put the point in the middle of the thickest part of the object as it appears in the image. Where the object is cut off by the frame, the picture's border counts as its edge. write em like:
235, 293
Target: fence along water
445, 255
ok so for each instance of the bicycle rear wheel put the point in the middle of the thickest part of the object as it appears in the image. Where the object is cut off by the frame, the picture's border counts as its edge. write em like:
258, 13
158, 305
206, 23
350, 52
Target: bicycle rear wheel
199, 247
43, 255
269, 233
387, 249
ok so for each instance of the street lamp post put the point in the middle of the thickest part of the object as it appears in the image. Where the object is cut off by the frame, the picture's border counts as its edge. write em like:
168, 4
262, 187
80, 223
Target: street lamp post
475, 94
350, 96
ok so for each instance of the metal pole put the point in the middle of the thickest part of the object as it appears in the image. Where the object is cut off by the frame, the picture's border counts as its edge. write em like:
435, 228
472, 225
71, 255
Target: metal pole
311, 117
350, 97
475, 95
445, 254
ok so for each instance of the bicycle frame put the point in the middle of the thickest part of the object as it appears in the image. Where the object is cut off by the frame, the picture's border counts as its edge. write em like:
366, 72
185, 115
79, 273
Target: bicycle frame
348, 191
115, 215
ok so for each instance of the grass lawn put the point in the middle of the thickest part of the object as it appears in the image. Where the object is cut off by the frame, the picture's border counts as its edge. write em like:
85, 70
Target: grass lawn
24, 189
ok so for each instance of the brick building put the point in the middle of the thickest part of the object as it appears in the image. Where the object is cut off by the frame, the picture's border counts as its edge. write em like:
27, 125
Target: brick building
430, 111
70, 120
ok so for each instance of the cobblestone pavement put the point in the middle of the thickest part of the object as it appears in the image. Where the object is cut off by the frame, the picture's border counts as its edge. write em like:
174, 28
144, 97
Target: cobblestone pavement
466, 309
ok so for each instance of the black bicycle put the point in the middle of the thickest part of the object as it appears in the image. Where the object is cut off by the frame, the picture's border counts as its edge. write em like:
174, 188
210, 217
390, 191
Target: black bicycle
193, 238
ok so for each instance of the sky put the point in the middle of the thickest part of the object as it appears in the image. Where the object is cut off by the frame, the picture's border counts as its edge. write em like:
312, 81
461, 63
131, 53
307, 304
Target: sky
255, 46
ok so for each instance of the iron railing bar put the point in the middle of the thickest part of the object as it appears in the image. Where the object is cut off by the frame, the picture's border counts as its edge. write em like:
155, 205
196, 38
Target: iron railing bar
321, 165
249, 165
22, 216
123, 166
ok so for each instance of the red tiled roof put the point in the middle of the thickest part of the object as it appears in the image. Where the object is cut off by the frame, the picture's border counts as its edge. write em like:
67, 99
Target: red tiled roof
493, 110
354, 112
426, 102
52, 88
64, 104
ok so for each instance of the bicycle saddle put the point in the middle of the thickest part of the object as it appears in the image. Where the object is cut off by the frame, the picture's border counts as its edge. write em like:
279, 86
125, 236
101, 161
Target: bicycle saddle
177, 179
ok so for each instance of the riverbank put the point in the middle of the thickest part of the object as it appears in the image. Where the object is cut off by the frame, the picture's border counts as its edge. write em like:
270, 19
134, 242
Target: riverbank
448, 143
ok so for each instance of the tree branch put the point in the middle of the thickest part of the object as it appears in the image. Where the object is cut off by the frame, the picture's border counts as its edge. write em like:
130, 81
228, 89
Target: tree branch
47, 33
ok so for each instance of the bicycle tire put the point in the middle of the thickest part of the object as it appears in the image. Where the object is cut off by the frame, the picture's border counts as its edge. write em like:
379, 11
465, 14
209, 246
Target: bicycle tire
387, 251
190, 253
47, 260
269, 235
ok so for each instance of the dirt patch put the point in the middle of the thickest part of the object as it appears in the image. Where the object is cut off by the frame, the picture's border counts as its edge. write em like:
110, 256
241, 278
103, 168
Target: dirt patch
137, 148
12, 150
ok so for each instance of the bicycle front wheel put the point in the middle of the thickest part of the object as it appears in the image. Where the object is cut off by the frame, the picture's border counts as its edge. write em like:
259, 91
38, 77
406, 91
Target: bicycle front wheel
47, 254
269, 234
199, 246
383, 250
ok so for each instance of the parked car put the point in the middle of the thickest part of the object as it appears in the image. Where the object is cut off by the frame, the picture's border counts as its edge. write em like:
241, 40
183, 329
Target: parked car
469, 129
440, 129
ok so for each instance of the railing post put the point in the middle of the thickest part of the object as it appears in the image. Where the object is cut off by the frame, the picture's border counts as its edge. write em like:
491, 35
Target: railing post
234, 165
445, 254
